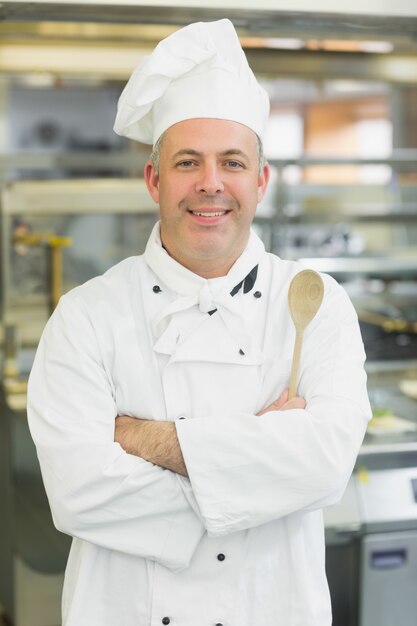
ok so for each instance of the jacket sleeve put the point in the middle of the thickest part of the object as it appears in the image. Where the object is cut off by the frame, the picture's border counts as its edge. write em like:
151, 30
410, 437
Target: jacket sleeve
247, 470
96, 491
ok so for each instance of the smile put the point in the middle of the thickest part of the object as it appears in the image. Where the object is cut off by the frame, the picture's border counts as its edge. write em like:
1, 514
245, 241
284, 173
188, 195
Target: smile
209, 214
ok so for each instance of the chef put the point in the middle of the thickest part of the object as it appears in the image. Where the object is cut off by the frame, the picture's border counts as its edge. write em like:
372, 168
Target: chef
192, 487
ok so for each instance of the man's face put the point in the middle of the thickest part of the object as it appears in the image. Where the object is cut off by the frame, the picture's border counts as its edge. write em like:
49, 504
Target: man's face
207, 188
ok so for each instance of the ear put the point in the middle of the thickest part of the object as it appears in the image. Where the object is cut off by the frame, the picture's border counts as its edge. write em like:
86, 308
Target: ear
263, 180
152, 180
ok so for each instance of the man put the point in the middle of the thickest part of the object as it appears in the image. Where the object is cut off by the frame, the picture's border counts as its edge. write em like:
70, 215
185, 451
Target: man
191, 485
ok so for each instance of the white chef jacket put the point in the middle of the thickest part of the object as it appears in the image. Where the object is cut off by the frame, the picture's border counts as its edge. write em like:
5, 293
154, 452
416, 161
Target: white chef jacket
241, 542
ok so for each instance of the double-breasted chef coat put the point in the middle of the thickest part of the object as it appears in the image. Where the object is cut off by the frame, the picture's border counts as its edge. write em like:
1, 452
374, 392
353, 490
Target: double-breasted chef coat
241, 542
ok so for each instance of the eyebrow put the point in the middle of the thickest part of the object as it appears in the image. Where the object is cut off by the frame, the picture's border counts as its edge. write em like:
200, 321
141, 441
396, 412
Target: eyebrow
225, 153
185, 152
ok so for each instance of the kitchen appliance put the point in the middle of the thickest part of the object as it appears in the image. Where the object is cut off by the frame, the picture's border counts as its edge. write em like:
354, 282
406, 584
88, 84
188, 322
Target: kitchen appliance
371, 535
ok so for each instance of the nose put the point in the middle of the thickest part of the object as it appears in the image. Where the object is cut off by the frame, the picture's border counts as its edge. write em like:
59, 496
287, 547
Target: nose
209, 180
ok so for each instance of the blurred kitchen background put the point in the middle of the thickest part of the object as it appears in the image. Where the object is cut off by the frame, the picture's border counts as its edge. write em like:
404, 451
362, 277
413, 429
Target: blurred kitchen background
342, 142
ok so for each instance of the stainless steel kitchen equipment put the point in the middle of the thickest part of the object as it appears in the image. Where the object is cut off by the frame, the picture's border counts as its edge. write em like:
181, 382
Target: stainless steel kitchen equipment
106, 220
371, 536
122, 214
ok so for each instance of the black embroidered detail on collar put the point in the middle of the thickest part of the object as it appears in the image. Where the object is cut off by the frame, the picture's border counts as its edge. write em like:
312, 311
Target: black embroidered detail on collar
248, 283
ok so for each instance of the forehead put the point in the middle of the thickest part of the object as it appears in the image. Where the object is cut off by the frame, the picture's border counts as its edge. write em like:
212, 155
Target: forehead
210, 135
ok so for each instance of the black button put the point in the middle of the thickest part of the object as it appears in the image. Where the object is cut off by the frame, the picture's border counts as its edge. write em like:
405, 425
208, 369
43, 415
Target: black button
157, 289
182, 417
257, 294
221, 557
166, 620
218, 624
241, 352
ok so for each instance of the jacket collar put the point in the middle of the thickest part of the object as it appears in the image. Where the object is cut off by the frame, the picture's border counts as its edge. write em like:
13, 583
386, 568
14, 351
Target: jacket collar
183, 282
214, 295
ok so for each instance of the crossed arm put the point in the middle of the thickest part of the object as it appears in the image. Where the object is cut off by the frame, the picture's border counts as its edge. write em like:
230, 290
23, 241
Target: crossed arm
157, 441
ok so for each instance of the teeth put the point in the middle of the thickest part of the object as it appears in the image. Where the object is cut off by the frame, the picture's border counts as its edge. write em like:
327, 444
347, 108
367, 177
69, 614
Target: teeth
217, 214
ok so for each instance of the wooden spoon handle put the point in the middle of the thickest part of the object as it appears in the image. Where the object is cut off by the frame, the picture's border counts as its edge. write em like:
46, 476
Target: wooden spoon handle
295, 363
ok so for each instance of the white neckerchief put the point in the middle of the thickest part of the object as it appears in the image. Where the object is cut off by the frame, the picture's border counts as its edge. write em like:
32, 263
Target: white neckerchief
193, 290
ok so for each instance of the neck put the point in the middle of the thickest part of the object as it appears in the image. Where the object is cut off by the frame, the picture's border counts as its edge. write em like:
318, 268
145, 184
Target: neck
206, 268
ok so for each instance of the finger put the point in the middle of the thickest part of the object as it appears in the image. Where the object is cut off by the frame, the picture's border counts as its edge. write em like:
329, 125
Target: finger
281, 400
294, 403
277, 404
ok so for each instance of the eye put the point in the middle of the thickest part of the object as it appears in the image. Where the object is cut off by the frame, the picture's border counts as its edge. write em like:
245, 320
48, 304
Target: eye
234, 165
185, 164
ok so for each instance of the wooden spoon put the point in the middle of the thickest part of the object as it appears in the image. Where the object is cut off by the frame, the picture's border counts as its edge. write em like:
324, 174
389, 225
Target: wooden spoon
305, 296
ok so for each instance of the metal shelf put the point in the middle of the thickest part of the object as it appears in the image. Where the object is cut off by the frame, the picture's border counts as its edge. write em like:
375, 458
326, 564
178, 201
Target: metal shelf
387, 266
81, 160
129, 159
404, 156
376, 367
352, 212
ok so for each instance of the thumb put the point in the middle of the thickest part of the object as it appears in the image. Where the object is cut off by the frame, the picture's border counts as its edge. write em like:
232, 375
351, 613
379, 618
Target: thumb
283, 398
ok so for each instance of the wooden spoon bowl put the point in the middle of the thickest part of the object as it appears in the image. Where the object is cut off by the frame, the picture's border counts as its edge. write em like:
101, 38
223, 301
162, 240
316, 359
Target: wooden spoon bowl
305, 296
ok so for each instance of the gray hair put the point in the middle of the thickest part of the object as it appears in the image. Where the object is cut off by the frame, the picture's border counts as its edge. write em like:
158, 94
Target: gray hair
156, 153
261, 154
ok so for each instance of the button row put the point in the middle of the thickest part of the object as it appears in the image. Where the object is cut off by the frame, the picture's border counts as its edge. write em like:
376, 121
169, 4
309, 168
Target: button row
157, 289
220, 557
166, 621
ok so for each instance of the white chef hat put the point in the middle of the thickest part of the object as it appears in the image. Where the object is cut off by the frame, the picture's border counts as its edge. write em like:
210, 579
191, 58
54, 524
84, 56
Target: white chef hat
198, 71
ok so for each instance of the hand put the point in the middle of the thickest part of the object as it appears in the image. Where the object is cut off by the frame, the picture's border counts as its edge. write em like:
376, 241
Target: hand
127, 433
283, 404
